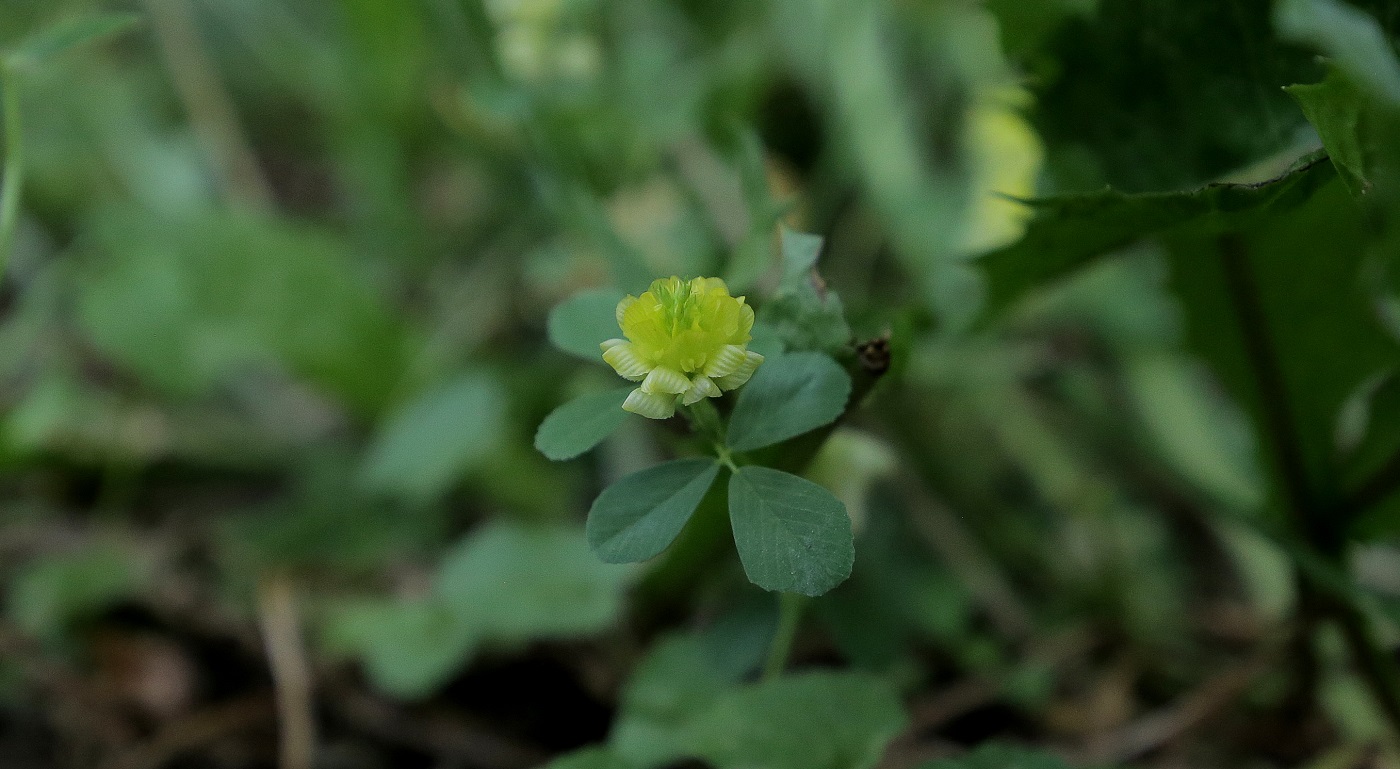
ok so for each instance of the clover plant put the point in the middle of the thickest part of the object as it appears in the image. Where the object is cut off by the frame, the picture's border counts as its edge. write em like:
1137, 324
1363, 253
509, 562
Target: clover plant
688, 344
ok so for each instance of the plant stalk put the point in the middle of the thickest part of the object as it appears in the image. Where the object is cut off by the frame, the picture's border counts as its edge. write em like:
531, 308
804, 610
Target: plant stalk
789, 617
14, 164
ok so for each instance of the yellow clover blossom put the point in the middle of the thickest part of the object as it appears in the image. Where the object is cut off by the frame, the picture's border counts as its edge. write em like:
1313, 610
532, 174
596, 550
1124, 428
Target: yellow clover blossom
686, 338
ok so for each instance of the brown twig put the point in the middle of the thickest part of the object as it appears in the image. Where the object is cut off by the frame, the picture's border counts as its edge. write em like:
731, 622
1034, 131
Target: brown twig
291, 673
210, 110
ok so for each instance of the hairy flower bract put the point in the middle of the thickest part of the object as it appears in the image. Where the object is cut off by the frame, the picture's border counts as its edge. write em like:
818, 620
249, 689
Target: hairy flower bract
684, 338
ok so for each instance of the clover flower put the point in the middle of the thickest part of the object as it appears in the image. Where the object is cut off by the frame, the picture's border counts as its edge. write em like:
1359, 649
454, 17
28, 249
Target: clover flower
686, 338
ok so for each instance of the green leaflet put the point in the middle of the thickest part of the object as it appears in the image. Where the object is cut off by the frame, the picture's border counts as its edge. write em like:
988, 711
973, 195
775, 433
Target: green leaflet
1071, 231
581, 424
637, 517
792, 534
788, 396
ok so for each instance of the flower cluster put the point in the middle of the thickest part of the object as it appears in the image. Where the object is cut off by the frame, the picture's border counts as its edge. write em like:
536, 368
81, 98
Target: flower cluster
686, 338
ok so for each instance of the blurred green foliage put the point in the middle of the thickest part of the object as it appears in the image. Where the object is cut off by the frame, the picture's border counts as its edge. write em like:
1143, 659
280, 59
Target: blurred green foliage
291, 288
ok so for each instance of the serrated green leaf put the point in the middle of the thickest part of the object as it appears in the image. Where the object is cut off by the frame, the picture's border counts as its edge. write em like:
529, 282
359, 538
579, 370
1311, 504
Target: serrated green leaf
639, 516
802, 315
1347, 34
1177, 98
581, 424
58, 38
409, 649
820, 720
428, 443
583, 321
792, 535
1283, 316
789, 395
1071, 231
1357, 131
1337, 119
516, 582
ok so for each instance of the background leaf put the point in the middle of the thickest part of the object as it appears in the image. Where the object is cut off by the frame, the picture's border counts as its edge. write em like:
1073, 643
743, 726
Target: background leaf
518, 582
585, 320
52, 594
504, 583
60, 37
676, 682
816, 720
802, 314
187, 301
408, 649
427, 444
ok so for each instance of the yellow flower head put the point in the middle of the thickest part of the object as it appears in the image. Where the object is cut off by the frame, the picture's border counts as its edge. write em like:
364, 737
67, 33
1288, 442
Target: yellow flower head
686, 338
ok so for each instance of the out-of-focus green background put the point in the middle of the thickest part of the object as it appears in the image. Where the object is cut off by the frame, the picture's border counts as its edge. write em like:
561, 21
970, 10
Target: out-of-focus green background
274, 344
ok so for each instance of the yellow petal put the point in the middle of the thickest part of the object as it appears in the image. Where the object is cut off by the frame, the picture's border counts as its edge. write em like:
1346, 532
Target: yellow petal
650, 405
742, 373
745, 331
702, 388
622, 356
684, 326
665, 380
622, 306
706, 285
726, 361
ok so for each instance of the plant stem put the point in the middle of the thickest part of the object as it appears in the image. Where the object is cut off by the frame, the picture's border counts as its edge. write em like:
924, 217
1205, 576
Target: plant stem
1311, 512
1376, 665
706, 420
789, 617
14, 164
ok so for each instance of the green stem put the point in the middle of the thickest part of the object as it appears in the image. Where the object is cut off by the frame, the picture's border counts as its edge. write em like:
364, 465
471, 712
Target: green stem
1312, 512
1375, 663
706, 420
789, 617
726, 457
14, 164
